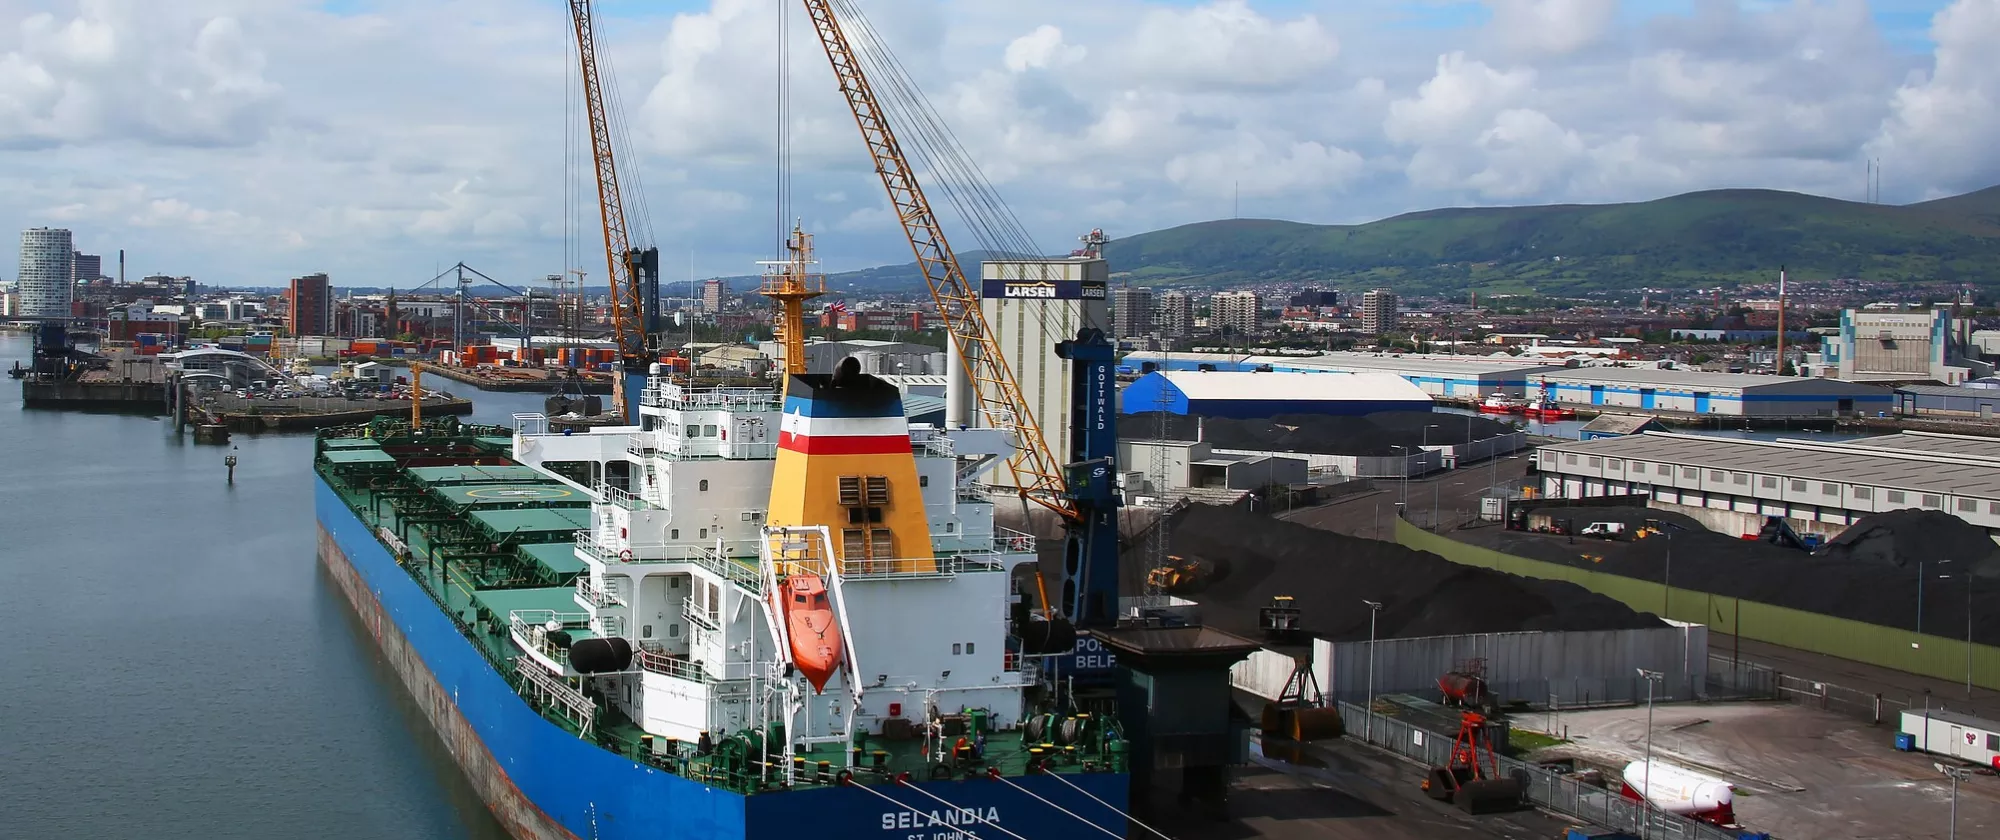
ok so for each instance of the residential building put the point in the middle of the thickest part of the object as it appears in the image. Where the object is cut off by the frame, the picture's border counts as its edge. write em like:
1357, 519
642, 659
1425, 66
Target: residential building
1315, 298
47, 266
1378, 311
1131, 312
1240, 313
85, 268
713, 293
1175, 318
311, 305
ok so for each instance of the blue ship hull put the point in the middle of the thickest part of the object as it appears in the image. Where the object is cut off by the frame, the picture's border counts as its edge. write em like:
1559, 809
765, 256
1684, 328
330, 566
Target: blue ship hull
541, 781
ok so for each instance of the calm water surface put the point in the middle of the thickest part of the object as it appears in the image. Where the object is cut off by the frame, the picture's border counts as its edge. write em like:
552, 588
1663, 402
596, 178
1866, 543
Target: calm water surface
176, 664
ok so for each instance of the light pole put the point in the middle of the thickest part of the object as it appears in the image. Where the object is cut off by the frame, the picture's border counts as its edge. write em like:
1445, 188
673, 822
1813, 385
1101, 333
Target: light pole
1956, 774
1368, 725
1646, 778
1406, 473
1920, 596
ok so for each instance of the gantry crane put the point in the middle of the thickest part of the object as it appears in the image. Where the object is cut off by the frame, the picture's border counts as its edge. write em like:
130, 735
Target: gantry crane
1078, 488
633, 272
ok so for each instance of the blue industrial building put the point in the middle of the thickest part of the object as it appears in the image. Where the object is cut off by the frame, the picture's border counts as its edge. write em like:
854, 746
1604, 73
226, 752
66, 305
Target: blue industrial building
1256, 395
1468, 378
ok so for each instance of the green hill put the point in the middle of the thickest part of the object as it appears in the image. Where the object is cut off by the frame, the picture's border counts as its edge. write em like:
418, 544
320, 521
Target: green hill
1717, 237
1703, 238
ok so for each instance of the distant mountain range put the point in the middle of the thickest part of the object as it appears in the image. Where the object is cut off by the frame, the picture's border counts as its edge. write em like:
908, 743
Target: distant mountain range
1716, 237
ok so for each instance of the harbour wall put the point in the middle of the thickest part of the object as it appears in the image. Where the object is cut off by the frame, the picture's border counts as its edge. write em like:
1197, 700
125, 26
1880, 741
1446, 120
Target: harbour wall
1903, 650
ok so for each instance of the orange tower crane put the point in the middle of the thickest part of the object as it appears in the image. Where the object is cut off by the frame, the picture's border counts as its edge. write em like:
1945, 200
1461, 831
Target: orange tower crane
1036, 469
626, 265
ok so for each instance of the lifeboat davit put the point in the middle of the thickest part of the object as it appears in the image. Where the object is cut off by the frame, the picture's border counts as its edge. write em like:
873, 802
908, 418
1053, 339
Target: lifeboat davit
810, 622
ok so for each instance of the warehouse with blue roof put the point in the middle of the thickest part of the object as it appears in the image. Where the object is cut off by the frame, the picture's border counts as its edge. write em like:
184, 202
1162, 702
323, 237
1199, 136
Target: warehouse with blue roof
1251, 395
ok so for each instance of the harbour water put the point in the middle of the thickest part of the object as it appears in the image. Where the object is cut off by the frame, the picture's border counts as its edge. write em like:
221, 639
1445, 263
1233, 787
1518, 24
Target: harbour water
177, 665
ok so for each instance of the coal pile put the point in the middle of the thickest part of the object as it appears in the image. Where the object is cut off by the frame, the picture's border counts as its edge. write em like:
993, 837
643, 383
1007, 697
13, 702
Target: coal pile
1375, 434
1901, 537
1245, 559
1869, 573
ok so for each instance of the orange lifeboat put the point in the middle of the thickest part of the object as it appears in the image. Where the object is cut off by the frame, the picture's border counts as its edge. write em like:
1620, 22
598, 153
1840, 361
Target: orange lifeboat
810, 622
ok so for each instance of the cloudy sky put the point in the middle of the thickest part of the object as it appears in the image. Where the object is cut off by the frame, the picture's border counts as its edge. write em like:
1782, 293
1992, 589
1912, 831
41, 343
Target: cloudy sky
248, 141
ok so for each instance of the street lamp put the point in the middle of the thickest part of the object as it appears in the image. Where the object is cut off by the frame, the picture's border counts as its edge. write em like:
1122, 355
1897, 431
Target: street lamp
1956, 774
1368, 726
1646, 779
1406, 474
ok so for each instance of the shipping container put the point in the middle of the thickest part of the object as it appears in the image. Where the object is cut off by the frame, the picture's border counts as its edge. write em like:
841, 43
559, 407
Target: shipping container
1960, 736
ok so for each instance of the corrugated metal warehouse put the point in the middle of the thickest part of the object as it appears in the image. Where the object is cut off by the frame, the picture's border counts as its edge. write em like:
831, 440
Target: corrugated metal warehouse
1460, 377
1731, 394
1946, 401
1563, 668
1741, 481
1263, 395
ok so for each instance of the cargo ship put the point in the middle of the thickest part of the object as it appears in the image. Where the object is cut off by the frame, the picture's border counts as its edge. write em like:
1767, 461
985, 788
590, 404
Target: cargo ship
756, 613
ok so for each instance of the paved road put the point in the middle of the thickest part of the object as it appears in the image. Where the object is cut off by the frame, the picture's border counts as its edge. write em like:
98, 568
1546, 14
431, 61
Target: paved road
1800, 773
1347, 791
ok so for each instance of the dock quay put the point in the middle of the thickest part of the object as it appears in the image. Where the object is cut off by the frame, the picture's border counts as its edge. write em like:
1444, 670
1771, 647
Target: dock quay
519, 379
296, 414
134, 384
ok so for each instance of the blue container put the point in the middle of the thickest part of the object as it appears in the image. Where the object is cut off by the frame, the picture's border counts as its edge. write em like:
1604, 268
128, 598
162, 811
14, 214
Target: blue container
399, 351
1906, 742
604, 366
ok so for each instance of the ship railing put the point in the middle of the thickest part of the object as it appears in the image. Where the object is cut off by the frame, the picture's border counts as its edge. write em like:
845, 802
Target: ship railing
682, 398
531, 628
672, 666
615, 495
700, 617
944, 565
531, 424
551, 689
714, 449
1002, 541
595, 595
644, 446
931, 444
719, 558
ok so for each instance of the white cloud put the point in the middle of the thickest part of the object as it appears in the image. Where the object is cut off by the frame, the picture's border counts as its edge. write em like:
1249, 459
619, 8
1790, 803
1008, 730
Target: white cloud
1944, 124
291, 138
1555, 27
1226, 44
1041, 49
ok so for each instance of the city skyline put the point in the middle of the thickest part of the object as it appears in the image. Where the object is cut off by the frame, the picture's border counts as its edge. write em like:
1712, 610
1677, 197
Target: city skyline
366, 155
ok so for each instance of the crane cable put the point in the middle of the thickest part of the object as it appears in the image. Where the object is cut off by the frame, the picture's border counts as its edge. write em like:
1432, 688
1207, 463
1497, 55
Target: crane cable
1135, 820
1004, 780
898, 803
969, 812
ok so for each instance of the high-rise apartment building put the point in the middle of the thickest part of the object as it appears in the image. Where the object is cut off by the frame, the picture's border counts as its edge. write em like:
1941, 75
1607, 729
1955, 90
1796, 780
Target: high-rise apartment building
1175, 318
86, 268
1313, 298
47, 263
1241, 313
1131, 312
311, 310
1378, 311
713, 292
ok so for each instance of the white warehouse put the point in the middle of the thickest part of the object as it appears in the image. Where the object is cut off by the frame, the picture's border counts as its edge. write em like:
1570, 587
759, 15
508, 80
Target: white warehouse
1731, 484
1696, 392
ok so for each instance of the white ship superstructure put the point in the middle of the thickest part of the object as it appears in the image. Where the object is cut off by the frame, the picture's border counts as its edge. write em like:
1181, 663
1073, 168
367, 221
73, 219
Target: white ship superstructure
682, 563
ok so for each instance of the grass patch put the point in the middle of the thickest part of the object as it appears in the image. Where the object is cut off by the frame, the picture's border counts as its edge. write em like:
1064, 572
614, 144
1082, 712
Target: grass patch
1520, 741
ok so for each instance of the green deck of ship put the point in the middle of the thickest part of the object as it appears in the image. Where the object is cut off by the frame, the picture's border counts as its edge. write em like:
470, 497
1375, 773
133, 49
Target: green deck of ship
486, 557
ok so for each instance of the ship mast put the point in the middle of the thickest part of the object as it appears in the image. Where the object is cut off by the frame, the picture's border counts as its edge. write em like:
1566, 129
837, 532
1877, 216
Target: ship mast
789, 283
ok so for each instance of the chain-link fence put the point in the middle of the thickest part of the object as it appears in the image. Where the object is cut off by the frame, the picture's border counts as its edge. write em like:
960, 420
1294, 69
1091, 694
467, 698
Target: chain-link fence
1746, 680
1548, 789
